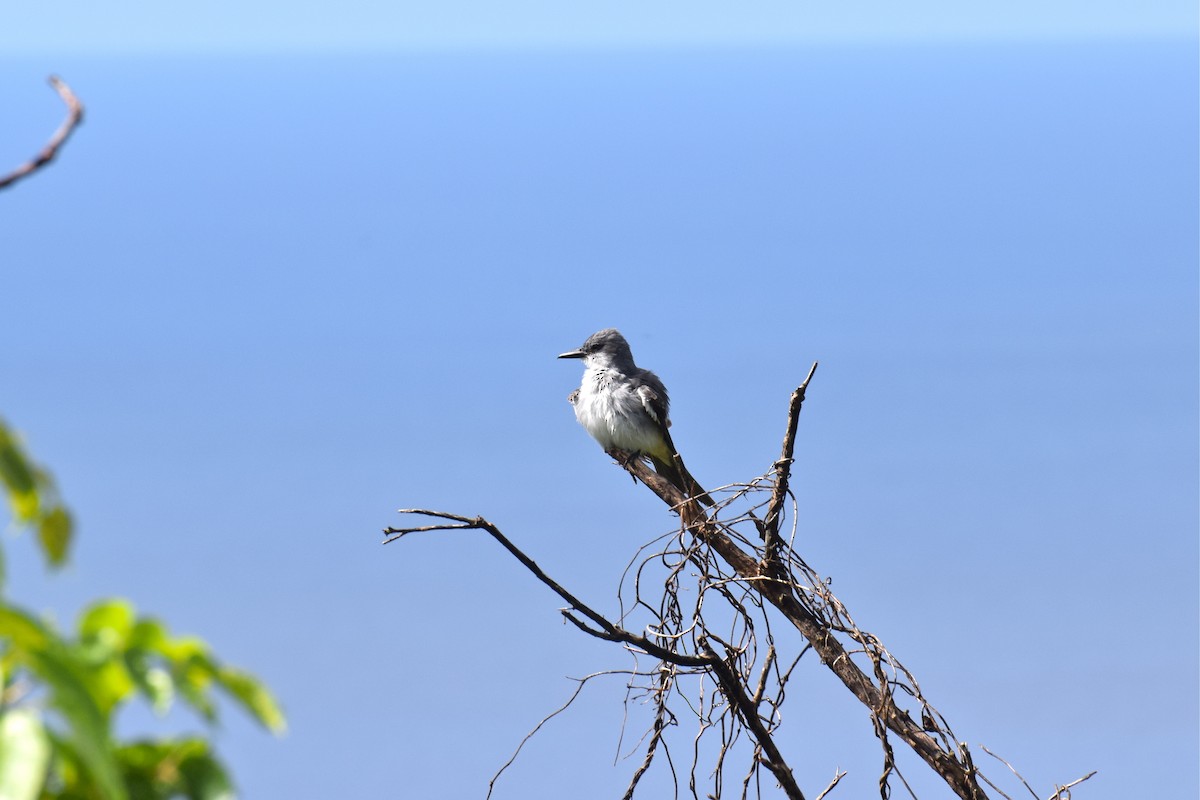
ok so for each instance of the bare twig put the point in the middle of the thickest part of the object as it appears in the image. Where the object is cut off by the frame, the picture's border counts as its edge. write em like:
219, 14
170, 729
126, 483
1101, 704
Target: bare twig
1013, 770
570, 700
837, 778
1064, 792
989, 782
660, 724
732, 688
47, 153
783, 472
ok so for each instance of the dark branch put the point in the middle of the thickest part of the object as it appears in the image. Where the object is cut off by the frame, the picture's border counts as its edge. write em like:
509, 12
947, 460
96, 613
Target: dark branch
607, 629
783, 473
47, 154
479, 523
618, 634
731, 686
754, 578
959, 776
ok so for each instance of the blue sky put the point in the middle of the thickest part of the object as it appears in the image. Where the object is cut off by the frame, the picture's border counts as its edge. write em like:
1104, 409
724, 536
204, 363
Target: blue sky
301, 268
313, 25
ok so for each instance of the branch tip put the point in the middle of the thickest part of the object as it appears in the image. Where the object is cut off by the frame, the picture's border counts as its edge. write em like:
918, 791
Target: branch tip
47, 153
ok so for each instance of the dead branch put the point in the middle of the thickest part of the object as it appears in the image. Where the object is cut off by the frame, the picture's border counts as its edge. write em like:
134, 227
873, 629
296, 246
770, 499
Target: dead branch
705, 598
570, 700
1064, 792
661, 717
1060, 792
1014, 772
732, 688
817, 628
606, 629
837, 778
47, 153
782, 595
783, 474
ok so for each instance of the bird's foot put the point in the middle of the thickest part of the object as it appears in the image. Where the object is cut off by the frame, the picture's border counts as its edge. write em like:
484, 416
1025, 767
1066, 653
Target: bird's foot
624, 458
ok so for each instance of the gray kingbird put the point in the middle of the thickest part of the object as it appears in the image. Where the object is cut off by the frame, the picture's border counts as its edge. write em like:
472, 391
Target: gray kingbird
626, 407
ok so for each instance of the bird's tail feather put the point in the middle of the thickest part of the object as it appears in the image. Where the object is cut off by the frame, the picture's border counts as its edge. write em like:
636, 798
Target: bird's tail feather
675, 472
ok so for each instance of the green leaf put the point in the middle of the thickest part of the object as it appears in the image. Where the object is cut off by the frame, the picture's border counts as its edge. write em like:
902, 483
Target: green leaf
109, 684
50, 659
26, 633
15, 469
206, 779
173, 769
254, 697
153, 682
25, 505
148, 634
24, 754
109, 620
104, 629
54, 532
89, 725
188, 651
195, 672
199, 699
33, 498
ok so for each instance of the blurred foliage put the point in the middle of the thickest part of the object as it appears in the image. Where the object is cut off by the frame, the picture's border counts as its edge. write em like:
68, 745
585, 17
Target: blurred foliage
33, 500
60, 693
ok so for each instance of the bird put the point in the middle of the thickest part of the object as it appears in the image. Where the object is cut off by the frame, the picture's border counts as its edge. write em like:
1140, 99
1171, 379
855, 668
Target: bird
625, 407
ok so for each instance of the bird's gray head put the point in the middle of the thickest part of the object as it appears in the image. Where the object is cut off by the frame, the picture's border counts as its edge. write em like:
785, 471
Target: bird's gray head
606, 348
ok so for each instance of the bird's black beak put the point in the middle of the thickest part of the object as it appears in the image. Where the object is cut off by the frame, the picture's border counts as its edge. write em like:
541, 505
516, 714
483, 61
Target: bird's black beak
573, 354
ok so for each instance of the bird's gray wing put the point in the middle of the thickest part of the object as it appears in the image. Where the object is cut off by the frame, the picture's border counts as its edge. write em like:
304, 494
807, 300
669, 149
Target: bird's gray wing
655, 400
653, 395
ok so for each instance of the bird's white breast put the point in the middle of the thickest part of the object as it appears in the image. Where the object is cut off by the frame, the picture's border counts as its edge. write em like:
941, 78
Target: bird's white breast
614, 415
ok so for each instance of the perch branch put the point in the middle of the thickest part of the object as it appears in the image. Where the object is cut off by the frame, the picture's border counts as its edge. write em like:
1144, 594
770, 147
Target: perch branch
737, 580
47, 153
960, 777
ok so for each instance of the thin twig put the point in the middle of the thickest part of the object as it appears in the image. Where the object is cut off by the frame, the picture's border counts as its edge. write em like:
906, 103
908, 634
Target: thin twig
582, 682
660, 724
1013, 770
1059, 790
837, 778
989, 782
47, 153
